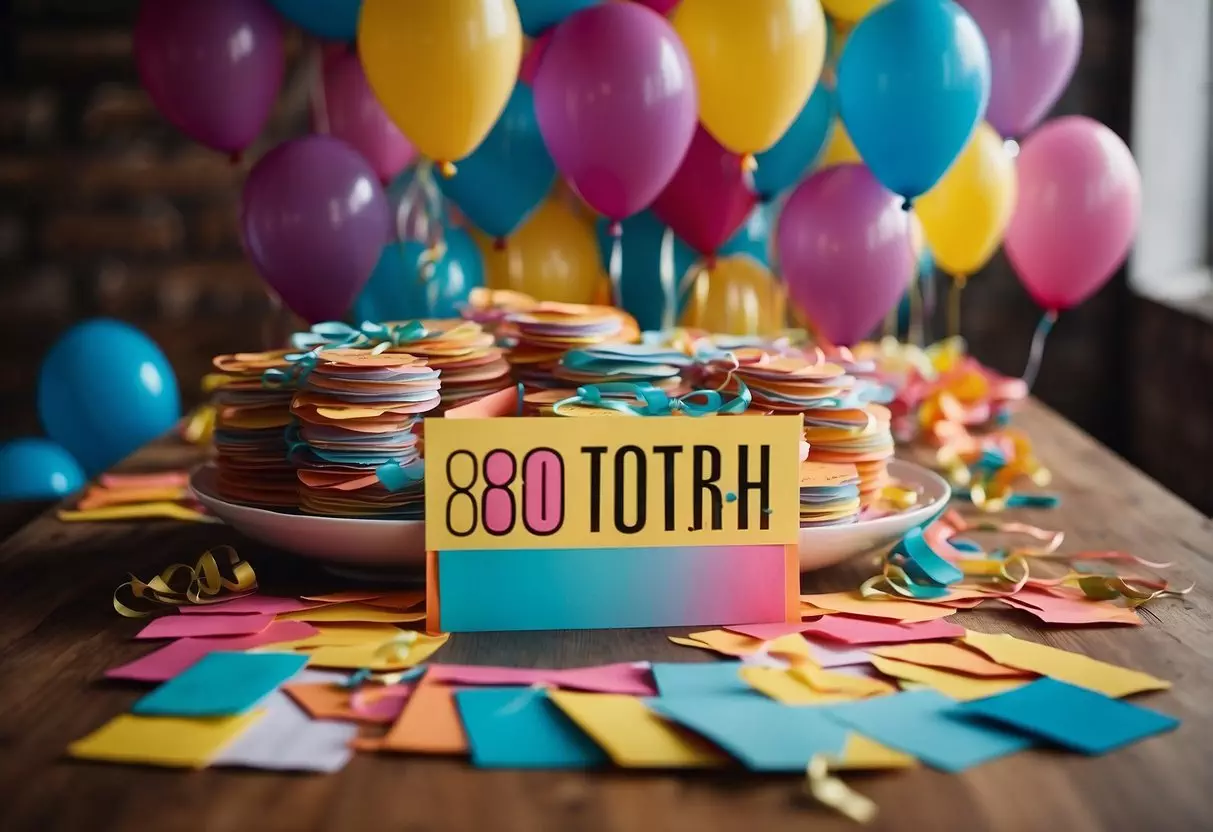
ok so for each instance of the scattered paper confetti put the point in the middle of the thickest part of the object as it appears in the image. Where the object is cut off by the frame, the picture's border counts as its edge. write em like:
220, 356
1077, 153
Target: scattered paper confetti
849, 629
284, 738
958, 686
521, 728
221, 684
947, 656
907, 612
627, 678
204, 626
162, 741
382, 704
168, 661
699, 679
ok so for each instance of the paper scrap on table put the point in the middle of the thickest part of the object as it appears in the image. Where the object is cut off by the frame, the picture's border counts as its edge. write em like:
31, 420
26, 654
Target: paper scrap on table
156, 479
380, 704
827, 654
1072, 717
863, 754
767, 632
1060, 609
957, 686
221, 684
346, 596
162, 741
1083, 671
384, 656
170, 660
634, 736
205, 626
512, 727
250, 604
947, 656
781, 686
699, 679
929, 726
631, 678
429, 724
855, 604
352, 613
337, 635
285, 739
733, 644
763, 735
848, 629
842, 682
403, 600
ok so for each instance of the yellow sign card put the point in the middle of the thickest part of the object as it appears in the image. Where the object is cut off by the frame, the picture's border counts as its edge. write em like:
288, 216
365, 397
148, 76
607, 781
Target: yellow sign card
536, 483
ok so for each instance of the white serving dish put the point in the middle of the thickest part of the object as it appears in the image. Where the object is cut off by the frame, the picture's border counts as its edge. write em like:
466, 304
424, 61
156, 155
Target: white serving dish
359, 545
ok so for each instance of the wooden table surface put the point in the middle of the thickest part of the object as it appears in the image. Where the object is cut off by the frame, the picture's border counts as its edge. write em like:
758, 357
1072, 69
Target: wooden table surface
58, 633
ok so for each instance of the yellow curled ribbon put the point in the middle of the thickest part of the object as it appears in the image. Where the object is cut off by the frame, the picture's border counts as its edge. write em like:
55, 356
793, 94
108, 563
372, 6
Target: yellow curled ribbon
183, 585
828, 790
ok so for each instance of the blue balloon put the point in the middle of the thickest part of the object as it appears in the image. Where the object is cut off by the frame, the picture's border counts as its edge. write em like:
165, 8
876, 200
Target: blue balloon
783, 165
913, 82
509, 174
538, 15
104, 390
396, 292
754, 238
37, 469
332, 19
645, 298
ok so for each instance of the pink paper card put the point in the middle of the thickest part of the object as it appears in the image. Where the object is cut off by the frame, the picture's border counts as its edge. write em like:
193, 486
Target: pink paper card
851, 630
165, 663
768, 632
1062, 609
250, 604
204, 626
632, 679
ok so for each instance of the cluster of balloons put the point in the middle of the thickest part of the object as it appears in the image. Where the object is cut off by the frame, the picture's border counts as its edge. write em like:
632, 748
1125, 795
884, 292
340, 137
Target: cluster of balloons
702, 152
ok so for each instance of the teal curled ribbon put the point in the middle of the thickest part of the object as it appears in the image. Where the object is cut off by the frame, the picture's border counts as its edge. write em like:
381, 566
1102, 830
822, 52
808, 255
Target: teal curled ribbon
396, 477
334, 335
647, 400
929, 574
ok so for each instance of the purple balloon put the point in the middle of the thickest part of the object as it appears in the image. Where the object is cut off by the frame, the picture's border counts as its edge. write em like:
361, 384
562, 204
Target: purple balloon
1034, 47
616, 103
845, 251
212, 67
315, 221
355, 115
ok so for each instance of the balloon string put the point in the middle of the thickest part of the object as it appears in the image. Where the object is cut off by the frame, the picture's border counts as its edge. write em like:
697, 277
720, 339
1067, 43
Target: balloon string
615, 265
957, 289
915, 335
669, 283
320, 104
1036, 352
926, 286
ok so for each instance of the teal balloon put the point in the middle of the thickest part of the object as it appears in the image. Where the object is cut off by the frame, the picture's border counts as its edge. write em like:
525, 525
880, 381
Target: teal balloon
396, 292
37, 469
790, 158
509, 174
104, 390
332, 19
913, 82
754, 238
538, 15
644, 296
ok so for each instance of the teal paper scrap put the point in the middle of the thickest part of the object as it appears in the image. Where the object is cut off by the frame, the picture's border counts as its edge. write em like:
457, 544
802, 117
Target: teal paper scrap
1072, 717
762, 734
700, 679
511, 727
930, 726
221, 684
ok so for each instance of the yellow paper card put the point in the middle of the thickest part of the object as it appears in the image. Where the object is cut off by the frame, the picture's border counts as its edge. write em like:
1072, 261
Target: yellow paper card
853, 603
946, 656
724, 642
955, 685
1074, 668
162, 741
862, 754
352, 612
830, 681
632, 735
378, 657
337, 635
783, 687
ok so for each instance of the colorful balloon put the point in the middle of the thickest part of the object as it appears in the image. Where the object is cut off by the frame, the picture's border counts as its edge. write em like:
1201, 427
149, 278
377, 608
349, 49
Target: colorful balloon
332, 19
754, 237
532, 57
1034, 48
655, 261
505, 179
315, 221
553, 256
37, 469
756, 63
736, 296
789, 160
618, 149
709, 198
540, 15
662, 7
845, 251
910, 103
104, 390
839, 150
354, 115
398, 290
187, 58
851, 10
443, 71
1078, 211
965, 216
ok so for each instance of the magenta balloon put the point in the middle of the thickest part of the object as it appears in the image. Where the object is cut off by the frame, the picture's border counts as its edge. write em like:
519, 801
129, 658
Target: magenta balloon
660, 6
212, 67
616, 104
529, 67
708, 199
315, 221
355, 116
1034, 47
845, 251
1077, 213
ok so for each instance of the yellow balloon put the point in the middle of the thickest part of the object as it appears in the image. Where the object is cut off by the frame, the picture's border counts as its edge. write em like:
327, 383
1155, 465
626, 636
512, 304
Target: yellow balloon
851, 10
553, 256
840, 150
444, 70
737, 296
756, 62
966, 214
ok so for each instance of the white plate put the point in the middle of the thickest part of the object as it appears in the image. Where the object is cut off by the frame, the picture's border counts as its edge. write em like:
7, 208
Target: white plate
354, 544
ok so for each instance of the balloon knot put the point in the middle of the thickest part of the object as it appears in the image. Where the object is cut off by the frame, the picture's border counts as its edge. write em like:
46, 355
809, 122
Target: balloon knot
235, 157
615, 229
709, 262
907, 204
447, 169
499, 244
749, 163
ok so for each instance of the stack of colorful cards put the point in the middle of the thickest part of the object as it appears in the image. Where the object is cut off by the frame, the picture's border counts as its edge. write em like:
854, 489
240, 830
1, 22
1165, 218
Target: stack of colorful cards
640, 363
250, 431
357, 411
780, 384
829, 494
470, 363
856, 435
549, 330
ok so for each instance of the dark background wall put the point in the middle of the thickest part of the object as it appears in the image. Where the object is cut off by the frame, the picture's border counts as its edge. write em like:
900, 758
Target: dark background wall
106, 210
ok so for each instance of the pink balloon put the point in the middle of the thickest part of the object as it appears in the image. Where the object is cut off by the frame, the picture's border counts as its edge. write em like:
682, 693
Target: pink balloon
213, 67
845, 251
616, 103
355, 116
708, 199
660, 6
534, 57
1078, 210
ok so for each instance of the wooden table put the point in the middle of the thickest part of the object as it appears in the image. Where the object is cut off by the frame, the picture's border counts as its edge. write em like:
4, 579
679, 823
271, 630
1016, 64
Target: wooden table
58, 633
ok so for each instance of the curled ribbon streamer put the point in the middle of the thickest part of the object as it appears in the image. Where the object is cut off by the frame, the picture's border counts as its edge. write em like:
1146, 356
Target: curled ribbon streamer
396, 477
832, 792
647, 400
1135, 591
331, 335
397, 649
183, 585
